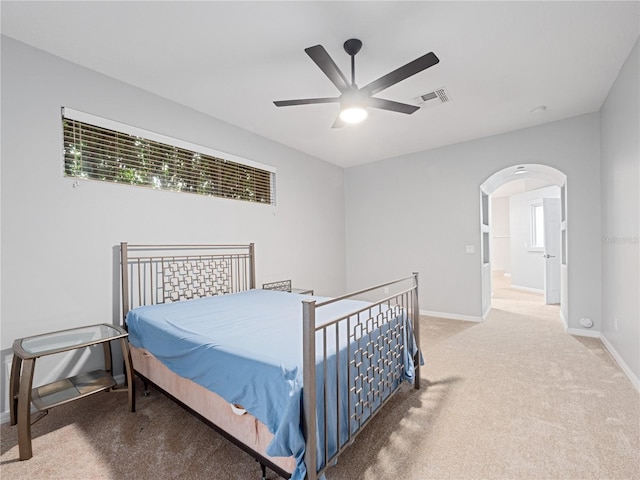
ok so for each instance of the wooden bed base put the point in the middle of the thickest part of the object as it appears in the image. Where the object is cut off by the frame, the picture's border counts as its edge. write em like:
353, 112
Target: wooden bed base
153, 274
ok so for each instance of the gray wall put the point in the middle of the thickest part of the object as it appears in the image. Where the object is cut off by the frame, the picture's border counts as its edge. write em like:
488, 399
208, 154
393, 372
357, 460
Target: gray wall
418, 212
620, 182
58, 241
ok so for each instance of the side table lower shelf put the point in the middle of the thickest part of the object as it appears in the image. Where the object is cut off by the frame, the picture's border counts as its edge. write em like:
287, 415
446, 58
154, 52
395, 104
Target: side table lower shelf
69, 389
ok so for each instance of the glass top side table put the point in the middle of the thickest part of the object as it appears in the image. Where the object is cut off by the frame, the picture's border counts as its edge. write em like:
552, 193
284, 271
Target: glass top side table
27, 350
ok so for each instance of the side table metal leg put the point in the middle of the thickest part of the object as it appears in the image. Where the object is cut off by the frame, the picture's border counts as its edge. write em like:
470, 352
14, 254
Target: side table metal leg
14, 388
106, 347
130, 379
24, 409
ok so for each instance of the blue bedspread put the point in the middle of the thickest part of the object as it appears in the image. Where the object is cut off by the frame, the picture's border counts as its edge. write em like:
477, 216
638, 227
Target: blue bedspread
247, 348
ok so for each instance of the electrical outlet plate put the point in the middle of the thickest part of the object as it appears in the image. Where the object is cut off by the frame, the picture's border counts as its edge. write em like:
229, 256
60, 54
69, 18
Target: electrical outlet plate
586, 322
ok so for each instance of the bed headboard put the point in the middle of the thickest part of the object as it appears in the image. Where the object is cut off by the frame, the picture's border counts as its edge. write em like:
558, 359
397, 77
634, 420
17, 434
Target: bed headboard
154, 274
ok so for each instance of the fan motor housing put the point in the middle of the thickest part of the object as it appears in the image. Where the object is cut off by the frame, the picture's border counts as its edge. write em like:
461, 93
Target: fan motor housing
352, 46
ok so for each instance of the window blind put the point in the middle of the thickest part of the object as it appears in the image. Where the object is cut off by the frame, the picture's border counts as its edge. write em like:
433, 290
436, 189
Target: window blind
99, 149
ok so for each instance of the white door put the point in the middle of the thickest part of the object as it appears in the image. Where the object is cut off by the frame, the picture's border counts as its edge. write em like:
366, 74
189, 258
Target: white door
552, 213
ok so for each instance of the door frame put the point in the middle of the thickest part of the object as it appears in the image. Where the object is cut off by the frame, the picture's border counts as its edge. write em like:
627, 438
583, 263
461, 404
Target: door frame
499, 178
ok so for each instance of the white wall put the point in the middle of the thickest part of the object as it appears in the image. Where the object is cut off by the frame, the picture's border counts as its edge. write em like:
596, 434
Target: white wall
499, 250
58, 242
418, 212
620, 182
527, 265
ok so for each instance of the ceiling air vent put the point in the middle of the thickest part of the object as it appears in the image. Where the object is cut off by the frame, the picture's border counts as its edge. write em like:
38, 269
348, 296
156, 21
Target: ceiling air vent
437, 97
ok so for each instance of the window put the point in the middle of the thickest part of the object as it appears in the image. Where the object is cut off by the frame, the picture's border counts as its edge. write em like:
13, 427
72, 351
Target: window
100, 149
537, 227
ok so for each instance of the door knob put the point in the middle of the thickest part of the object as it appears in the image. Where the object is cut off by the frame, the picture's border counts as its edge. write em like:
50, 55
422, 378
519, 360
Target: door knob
548, 256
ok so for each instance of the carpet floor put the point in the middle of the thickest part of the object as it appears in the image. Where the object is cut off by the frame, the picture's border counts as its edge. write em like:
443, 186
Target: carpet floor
514, 397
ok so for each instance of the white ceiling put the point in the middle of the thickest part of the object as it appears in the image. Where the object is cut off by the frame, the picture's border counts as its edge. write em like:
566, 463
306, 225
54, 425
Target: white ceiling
498, 60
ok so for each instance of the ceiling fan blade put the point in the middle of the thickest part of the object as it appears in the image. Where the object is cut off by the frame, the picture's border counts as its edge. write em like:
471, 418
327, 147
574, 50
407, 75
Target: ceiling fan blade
338, 123
401, 73
391, 105
305, 101
320, 56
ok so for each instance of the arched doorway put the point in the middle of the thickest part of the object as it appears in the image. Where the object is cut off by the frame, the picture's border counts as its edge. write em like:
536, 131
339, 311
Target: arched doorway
530, 177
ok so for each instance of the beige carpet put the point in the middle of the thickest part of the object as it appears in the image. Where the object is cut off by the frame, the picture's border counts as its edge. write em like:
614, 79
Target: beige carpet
514, 397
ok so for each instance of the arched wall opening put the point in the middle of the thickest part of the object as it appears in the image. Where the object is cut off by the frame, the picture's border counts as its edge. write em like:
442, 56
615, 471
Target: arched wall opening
531, 176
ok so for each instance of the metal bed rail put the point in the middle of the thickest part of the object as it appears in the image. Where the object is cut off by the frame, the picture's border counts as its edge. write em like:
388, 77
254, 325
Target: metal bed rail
378, 341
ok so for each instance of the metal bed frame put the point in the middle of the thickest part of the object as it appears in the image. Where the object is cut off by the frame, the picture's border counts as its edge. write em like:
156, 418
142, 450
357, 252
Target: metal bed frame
153, 274
281, 286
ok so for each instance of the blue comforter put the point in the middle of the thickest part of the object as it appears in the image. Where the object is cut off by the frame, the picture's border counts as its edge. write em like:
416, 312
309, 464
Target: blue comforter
247, 348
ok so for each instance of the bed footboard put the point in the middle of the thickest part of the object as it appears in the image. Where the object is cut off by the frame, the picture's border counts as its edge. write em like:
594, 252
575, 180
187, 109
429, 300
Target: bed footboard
363, 357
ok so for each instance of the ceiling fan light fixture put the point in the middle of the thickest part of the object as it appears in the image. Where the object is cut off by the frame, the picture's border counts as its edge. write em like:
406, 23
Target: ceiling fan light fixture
353, 114
354, 101
353, 107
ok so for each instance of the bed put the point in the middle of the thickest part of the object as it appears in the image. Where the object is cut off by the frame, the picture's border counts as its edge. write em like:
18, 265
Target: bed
291, 379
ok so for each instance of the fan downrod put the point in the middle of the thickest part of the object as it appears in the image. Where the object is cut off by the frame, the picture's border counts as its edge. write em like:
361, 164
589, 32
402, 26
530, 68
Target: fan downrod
353, 46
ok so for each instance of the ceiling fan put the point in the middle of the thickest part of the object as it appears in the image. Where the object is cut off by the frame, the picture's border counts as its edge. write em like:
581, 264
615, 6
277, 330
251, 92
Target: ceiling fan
353, 100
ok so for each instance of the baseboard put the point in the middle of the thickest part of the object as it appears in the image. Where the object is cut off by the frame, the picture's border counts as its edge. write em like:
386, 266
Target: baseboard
564, 321
451, 316
5, 417
583, 333
623, 365
527, 289
486, 313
